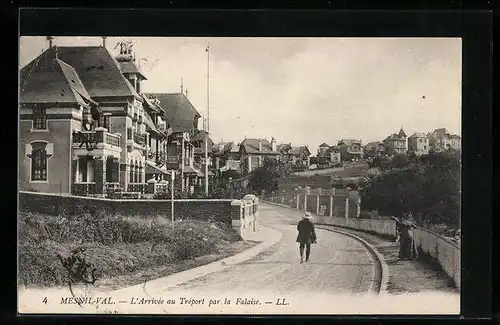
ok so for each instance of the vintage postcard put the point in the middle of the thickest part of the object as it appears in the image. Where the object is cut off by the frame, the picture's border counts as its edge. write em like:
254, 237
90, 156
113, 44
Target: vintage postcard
170, 175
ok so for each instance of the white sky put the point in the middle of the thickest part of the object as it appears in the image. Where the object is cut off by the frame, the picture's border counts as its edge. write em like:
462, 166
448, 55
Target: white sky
302, 90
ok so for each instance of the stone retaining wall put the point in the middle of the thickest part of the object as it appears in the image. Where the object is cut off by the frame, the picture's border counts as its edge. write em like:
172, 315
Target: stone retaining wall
446, 252
53, 204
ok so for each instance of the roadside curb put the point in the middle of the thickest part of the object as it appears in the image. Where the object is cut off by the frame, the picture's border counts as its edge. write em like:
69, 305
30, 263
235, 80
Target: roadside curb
175, 279
384, 266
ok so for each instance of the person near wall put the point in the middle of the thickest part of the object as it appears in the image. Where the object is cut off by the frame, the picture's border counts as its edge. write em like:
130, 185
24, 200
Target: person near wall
306, 236
407, 246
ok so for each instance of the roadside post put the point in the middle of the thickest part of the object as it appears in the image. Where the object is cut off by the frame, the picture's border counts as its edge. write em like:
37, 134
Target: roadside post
172, 199
173, 165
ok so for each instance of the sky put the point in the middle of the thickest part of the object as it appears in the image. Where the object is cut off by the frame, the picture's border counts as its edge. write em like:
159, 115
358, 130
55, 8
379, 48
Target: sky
303, 91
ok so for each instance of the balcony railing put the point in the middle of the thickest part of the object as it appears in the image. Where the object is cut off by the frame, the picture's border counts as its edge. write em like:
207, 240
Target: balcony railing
112, 139
112, 187
140, 139
90, 139
137, 187
162, 188
84, 138
157, 157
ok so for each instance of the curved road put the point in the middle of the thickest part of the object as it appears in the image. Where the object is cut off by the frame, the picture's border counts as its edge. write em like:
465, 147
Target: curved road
339, 264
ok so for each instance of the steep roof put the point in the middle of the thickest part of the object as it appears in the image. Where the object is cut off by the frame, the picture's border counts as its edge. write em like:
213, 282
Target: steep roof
443, 130
98, 70
178, 110
301, 150
293, 150
323, 145
418, 135
373, 145
394, 137
50, 80
252, 146
219, 147
200, 135
402, 133
349, 142
284, 147
222, 147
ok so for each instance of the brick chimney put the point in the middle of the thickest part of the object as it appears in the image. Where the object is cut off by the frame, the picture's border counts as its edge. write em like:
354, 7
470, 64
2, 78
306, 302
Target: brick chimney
273, 144
260, 145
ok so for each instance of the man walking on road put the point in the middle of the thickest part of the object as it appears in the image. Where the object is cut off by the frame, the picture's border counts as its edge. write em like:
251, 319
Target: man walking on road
306, 236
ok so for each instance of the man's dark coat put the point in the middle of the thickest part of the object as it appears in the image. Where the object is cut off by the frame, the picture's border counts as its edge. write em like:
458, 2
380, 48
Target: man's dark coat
307, 233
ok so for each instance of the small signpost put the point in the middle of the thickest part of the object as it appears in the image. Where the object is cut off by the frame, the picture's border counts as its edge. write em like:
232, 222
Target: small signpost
172, 196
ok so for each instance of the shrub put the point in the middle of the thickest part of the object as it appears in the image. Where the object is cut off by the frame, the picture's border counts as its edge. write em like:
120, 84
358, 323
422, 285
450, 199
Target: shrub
369, 215
110, 245
38, 263
430, 186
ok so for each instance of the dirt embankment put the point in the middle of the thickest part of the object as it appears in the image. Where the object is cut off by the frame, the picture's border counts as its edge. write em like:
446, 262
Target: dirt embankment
116, 251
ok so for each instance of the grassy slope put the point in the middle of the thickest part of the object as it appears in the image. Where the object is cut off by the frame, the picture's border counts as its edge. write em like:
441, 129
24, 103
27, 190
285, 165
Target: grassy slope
350, 172
124, 251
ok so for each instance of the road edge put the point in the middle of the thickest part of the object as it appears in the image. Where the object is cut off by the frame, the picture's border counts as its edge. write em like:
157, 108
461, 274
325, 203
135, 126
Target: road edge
384, 268
380, 258
175, 279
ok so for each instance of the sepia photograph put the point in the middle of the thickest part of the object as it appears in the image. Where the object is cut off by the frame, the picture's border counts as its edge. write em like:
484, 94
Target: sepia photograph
239, 175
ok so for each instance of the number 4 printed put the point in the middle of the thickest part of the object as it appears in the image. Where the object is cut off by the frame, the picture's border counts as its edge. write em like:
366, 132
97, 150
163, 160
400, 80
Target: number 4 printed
44, 300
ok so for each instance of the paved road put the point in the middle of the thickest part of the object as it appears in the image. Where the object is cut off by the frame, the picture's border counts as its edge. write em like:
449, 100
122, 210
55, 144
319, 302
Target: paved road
339, 264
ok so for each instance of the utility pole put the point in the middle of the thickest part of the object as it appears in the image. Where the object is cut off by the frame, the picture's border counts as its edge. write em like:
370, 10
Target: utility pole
172, 181
207, 131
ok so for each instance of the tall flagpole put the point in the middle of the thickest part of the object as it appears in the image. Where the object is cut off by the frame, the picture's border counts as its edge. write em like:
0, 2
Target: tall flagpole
207, 131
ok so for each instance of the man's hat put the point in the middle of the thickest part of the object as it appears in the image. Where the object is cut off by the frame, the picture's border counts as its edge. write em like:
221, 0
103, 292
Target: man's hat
307, 215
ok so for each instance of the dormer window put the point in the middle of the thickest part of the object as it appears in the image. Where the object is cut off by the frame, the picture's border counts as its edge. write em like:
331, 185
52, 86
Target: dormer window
39, 118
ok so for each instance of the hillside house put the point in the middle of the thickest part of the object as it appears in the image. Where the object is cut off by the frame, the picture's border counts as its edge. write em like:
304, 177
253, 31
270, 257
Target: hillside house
253, 152
396, 143
329, 157
350, 149
441, 139
322, 148
159, 130
199, 151
226, 156
374, 149
81, 123
418, 143
184, 137
295, 155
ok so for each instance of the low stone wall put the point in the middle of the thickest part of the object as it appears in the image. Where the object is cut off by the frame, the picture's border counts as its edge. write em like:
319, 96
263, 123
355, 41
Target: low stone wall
202, 209
245, 214
442, 250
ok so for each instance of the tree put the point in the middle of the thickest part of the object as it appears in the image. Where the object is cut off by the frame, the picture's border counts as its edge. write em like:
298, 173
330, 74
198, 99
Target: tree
399, 161
264, 178
430, 186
